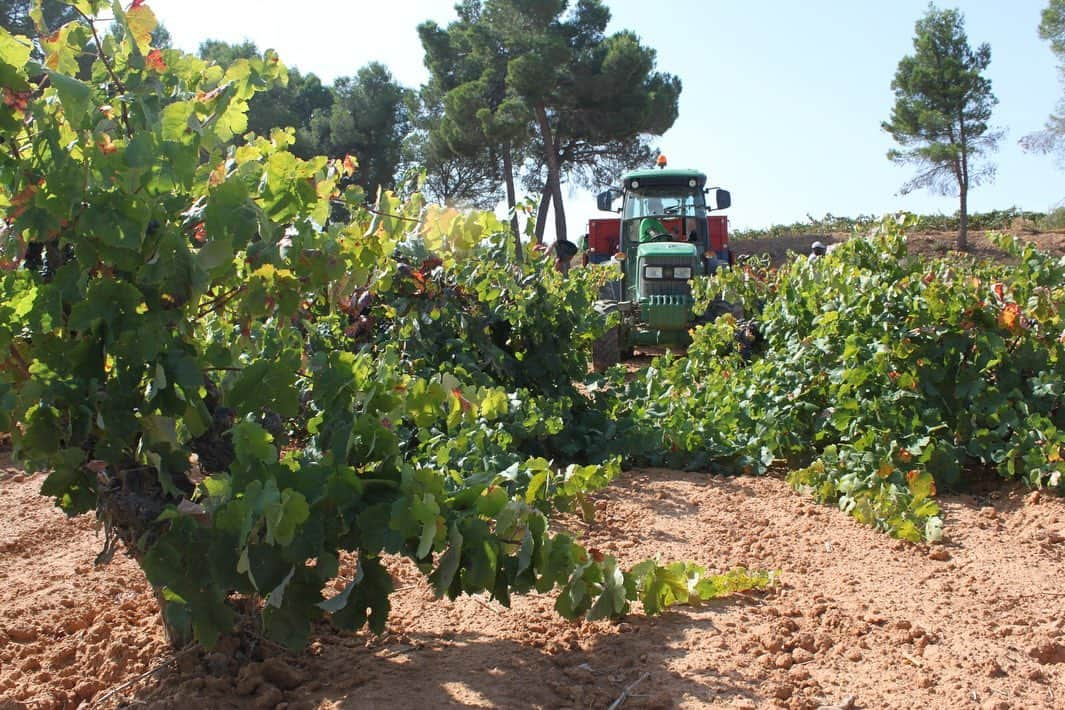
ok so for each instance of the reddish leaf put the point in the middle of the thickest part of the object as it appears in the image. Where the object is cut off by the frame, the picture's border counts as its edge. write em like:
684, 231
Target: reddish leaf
155, 61
1010, 317
463, 402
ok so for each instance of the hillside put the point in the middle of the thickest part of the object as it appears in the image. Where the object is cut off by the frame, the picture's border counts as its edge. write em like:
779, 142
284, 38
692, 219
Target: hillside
924, 243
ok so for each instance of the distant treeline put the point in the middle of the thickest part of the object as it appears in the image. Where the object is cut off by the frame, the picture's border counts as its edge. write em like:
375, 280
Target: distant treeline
995, 219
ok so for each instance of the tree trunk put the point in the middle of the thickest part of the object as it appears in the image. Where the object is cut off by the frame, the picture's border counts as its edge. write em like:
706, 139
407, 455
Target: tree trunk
963, 220
963, 193
963, 184
541, 214
554, 172
512, 202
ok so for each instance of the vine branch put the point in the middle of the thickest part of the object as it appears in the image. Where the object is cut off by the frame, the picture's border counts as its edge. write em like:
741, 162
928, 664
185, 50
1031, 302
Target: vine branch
371, 210
23, 366
110, 69
219, 301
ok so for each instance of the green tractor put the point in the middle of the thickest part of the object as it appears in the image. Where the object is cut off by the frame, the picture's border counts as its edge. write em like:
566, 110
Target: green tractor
664, 238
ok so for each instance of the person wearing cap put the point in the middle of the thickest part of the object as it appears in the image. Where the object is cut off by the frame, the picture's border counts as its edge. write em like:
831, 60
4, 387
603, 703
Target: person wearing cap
817, 250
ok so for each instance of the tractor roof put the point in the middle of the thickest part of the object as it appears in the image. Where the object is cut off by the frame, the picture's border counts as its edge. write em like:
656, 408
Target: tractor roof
668, 176
674, 249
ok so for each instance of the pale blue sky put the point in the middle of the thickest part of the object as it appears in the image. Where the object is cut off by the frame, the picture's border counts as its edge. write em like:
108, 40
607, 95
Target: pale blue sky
782, 101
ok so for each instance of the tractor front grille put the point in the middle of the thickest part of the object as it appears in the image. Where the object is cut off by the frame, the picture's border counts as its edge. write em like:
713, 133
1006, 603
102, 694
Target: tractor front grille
665, 287
666, 312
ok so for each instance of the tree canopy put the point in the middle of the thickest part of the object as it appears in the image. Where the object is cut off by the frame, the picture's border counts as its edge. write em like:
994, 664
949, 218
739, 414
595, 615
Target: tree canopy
15, 16
1052, 138
368, 119
480, 131
943, 103
548, 77
450, 178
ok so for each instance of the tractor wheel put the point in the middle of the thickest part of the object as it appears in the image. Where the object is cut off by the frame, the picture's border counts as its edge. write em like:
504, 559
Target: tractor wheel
606, 350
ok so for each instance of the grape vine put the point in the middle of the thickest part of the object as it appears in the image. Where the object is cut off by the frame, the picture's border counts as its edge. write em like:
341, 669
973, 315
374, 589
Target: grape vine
243, 387
880, 378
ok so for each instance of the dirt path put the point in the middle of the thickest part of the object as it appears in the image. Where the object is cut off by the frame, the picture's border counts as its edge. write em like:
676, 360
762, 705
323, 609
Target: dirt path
860, 620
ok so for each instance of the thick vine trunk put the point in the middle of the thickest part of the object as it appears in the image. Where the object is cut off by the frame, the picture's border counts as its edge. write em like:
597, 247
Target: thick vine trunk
554, 172
512, 202
129, 506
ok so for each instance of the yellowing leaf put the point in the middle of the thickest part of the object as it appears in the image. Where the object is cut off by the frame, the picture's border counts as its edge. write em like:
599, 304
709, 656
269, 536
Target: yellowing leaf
921, 483
14, 50
1010, 317
142, 23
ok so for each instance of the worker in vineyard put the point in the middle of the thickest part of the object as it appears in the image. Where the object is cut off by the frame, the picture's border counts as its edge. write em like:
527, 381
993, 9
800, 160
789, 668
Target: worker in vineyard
564, 251
817, 250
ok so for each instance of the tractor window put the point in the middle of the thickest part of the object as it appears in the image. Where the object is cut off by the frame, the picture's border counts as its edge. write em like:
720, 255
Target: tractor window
663, 202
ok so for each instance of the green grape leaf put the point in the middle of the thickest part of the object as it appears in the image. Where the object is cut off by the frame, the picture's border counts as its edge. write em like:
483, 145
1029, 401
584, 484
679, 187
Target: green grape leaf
75, 95
252, 443
448, 564
267, 385
368, 601
285, 516
14, 51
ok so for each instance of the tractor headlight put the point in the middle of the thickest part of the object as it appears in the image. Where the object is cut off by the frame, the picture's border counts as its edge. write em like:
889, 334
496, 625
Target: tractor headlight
652, 272
682, 272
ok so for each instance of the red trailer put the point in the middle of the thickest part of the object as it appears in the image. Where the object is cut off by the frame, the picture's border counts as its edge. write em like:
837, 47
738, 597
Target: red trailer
604, 235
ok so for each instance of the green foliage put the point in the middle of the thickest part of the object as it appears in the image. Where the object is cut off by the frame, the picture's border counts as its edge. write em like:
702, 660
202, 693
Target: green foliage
244, 390
453, 175
16, 16
943, 103
290, 102
1052, 26
368, 120
881, 378
1054, 220
831, 224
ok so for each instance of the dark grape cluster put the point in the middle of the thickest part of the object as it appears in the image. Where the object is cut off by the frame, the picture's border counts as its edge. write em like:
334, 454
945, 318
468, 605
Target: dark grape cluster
45, 258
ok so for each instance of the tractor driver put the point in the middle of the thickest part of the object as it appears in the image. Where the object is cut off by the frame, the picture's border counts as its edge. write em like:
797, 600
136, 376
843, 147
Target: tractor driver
652, 229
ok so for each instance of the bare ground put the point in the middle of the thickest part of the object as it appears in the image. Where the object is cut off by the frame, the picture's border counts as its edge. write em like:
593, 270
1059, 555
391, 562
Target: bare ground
859, 620
927, 244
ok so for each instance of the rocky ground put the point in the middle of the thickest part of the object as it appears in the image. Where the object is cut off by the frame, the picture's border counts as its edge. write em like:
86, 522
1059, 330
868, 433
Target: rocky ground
859, 620
927, 244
